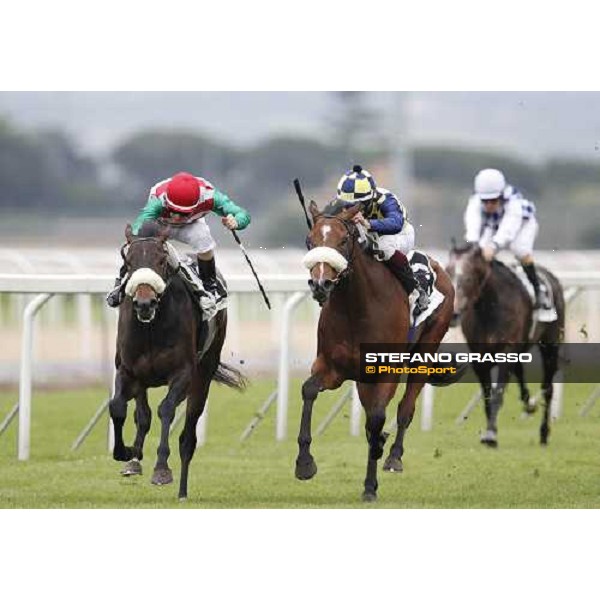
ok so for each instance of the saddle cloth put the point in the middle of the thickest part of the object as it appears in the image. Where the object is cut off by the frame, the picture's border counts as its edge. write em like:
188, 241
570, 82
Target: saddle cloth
188, 271
421, 267
547, 313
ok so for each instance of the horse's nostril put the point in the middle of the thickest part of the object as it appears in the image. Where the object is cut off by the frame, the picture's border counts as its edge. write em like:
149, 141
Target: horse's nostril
328, 285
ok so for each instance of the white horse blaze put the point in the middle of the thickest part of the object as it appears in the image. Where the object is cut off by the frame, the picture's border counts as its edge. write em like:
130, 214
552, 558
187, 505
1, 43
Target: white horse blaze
147, 276
325, 254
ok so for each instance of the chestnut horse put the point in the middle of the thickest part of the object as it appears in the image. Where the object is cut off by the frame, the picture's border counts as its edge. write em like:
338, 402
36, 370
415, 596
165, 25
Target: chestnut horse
363, 302
160, 332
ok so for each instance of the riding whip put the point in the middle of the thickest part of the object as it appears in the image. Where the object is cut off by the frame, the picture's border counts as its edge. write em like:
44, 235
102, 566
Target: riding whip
260, 287
302, 202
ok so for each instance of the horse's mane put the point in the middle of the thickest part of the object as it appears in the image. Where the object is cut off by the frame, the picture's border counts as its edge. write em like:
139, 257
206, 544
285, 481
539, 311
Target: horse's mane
334, 208
505, 272
150, 229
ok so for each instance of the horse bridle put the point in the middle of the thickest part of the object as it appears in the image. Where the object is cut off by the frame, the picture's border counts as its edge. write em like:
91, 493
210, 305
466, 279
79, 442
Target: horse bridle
169, 273
348, 253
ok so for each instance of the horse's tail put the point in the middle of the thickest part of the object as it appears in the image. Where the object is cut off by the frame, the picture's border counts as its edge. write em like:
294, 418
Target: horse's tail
231, 377
442, 379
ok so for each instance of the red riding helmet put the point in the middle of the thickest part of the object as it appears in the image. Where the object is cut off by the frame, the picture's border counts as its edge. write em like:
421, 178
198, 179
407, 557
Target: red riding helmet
183, 193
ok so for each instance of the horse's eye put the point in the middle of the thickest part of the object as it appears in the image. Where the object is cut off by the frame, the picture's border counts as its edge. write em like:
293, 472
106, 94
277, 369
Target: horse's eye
308, 243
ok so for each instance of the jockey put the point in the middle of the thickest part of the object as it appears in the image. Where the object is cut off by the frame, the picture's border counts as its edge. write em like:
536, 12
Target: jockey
385, 216
183, 201
497, 217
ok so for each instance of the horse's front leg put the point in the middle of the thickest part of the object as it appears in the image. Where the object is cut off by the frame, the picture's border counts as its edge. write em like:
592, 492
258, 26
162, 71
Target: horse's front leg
484, 374
374, 398
178, 390
322, 378
404, 417
494, 398
124, 391
528, 406
143, 418
550, 359
306, 468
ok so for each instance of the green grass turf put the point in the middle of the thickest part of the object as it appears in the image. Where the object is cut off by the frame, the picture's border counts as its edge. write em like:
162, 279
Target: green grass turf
444, 468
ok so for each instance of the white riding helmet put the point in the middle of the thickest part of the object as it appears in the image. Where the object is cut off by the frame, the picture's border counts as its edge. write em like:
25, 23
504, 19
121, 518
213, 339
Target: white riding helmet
489, 184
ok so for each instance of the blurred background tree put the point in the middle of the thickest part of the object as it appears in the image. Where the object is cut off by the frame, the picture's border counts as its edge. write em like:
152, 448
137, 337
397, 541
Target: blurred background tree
44, 172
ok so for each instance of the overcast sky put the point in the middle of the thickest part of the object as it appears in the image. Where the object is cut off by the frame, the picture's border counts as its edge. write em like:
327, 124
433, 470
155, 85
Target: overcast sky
532, 124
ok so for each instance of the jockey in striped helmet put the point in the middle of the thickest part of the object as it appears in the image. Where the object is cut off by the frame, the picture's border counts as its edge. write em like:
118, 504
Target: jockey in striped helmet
183, 201
497, 217
384, 216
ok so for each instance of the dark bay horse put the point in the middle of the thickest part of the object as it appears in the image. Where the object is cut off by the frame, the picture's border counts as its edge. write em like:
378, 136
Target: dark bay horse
160, 332
363, 302
496, 314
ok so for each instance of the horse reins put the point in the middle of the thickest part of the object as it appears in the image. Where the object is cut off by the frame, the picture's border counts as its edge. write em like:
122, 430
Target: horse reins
351, 230
162, 247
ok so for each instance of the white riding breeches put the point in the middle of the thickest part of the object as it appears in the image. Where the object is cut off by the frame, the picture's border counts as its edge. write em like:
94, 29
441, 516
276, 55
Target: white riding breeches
196, 234
403, 241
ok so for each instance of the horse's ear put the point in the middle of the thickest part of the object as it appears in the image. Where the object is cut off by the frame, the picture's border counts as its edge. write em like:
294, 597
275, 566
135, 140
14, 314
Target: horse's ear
314, 210
349, 213
128, 233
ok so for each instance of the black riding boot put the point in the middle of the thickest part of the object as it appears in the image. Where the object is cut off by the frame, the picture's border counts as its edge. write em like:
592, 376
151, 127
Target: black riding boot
535, 282
208, 273
398, 265
117, 294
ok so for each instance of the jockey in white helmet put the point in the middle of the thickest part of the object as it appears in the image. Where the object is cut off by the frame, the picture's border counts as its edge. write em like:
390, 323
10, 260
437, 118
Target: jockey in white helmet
498, 217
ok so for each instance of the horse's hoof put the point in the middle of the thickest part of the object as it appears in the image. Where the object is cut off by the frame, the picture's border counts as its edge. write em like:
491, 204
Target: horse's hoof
182, 498
369, 496
307, 470
133, 467
162, 477
490, 439
393, 465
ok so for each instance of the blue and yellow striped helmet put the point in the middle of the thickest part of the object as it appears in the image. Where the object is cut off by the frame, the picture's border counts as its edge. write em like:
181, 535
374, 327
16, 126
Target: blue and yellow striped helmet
357, 185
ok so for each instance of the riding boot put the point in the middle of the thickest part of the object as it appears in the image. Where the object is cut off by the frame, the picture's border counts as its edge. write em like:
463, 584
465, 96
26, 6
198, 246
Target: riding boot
535, 282
398, 265
208, 273
117, 294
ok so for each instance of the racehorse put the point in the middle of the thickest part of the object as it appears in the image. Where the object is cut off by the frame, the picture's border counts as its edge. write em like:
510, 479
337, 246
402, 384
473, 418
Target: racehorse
496, 315
362, 301
160, 333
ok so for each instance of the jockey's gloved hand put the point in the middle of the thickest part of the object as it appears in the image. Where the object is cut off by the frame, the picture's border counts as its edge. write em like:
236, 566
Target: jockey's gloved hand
488, 253
230, 222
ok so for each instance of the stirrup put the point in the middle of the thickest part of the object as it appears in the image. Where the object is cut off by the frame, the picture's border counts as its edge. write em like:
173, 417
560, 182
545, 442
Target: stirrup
422, 301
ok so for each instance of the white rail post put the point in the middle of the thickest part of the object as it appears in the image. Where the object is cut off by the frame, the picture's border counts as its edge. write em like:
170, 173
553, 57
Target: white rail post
283, 378
26, 374
427, 408
557, 400
201, 426
355, 411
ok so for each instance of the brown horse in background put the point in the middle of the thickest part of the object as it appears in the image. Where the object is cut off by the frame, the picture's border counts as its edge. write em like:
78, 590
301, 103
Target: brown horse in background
160, 333
496, 315
362, 303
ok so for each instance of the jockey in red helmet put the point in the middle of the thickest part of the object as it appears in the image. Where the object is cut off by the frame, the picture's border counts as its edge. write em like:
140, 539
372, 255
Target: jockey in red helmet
183, 201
